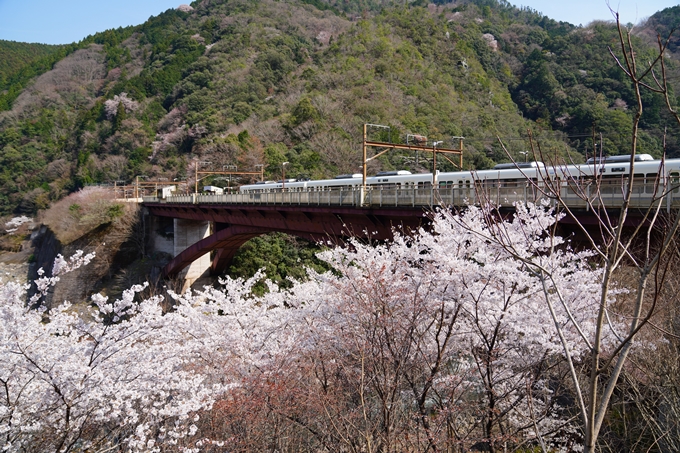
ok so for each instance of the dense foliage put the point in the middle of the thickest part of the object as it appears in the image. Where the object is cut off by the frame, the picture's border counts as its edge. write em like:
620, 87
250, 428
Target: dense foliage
16, 55
282, 258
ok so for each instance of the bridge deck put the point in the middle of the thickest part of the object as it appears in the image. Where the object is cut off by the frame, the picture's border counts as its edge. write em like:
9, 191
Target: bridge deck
608, 197
337, 214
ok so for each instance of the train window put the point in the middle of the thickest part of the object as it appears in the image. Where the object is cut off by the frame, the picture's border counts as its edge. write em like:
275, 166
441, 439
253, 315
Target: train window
675, 181
638, 183
618, 169
650, 182
611, 184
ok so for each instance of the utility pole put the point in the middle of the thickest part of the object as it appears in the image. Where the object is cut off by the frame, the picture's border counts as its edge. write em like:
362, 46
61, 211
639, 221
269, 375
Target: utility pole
283, 180
363, 179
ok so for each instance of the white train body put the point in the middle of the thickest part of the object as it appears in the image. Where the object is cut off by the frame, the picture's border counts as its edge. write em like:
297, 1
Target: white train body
647, 173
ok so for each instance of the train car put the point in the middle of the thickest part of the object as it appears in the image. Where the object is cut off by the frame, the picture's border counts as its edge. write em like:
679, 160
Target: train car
341, 182
612, 171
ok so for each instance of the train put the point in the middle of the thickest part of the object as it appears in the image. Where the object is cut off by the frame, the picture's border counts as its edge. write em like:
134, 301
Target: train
612, 170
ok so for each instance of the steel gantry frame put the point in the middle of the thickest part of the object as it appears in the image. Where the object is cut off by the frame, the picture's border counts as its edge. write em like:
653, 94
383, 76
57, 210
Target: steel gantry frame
391, 146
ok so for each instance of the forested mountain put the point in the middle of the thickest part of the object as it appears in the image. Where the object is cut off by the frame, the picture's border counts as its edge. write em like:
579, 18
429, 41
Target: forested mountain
246, 82
663, 23
15, 55
20, 62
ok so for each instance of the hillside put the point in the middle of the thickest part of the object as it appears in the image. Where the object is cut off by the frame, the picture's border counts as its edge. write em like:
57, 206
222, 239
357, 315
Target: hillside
20, 62
247, 82
15, 55
663, 23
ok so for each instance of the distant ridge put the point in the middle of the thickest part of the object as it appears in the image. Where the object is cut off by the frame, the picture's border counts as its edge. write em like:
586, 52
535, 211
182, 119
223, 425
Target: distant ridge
662, 23
16, 55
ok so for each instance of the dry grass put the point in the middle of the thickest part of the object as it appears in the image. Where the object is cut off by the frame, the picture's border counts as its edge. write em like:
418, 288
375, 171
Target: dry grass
83, 211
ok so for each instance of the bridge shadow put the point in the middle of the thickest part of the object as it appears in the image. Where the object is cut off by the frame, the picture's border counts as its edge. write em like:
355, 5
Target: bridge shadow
226, 242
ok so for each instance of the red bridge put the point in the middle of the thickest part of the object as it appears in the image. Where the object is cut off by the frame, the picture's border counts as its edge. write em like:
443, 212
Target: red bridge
235, 225
223, 223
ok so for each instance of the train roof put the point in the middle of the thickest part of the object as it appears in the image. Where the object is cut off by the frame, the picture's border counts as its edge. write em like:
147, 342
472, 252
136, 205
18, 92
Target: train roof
508, 165
393, 173
622, 158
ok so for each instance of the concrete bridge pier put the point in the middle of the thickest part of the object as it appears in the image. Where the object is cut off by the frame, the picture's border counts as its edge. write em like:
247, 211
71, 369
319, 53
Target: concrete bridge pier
187, 233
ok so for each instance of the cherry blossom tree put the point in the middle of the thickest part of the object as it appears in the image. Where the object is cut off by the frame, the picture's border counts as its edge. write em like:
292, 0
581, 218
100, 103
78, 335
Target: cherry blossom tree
643, 255
13, 224
112, 106
436, 342
123, 373
443, 340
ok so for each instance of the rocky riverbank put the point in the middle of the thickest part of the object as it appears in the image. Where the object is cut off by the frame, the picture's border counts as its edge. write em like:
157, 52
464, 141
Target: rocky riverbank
15, 266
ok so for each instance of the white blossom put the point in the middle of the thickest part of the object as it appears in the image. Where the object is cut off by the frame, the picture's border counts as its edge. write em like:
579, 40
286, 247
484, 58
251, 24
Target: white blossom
111, 105
132, 375
13, 225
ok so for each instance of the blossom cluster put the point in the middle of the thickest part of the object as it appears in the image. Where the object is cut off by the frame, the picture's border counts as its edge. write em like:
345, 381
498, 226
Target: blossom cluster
111, 105
447, 328
13, 224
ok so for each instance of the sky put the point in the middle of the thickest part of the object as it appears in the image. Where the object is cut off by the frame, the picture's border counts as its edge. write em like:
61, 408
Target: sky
582, 12
67, 21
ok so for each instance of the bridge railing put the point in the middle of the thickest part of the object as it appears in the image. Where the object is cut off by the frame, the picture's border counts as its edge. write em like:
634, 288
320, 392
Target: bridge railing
611, 196
607, 196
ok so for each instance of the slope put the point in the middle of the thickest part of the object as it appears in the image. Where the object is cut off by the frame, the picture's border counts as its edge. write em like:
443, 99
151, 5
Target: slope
260, 82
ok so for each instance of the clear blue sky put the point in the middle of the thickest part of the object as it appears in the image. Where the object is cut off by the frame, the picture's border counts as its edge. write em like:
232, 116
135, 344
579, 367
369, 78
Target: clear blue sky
66, 21
581, 12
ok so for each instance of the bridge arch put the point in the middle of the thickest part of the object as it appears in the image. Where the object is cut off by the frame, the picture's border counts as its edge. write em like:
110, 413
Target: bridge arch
226, 241
233, 226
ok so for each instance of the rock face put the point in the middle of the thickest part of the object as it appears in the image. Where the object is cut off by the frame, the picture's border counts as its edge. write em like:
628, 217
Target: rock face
45, 247
114, 251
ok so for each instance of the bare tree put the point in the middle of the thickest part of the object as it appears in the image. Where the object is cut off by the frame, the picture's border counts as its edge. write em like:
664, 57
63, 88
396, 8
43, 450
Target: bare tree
643, 252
